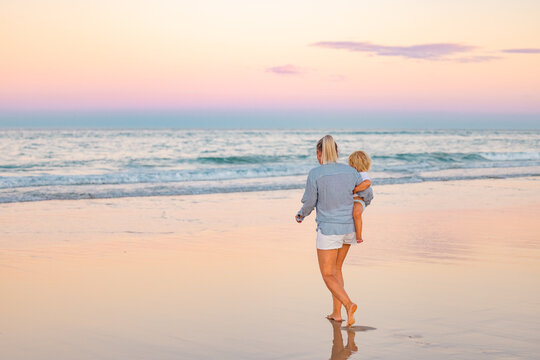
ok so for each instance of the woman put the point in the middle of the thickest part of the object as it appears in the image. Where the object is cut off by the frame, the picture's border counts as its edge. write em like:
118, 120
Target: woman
329, 188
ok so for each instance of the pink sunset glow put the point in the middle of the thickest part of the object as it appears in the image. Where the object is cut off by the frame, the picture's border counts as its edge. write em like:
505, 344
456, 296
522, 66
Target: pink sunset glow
212, 54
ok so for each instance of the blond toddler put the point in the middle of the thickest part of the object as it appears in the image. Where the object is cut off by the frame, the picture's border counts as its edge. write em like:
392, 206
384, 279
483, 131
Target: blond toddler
363, 193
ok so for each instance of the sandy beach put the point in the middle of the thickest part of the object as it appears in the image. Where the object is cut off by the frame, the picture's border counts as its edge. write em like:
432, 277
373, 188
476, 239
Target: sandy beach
448, 270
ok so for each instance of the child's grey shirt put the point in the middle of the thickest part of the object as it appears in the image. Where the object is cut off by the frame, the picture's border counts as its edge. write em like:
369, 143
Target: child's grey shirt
368, 193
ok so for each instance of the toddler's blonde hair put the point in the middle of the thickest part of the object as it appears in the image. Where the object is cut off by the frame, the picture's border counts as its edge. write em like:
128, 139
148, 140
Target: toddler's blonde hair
360, 161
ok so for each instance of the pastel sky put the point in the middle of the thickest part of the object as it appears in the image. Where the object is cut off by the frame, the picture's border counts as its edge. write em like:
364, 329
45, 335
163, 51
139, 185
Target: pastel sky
384, 55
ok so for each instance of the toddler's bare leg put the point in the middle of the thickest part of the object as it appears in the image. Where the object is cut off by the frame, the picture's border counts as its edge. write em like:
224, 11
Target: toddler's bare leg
357, 216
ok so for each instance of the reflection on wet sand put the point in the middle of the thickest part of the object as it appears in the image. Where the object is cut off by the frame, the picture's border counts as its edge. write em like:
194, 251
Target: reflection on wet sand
341, 351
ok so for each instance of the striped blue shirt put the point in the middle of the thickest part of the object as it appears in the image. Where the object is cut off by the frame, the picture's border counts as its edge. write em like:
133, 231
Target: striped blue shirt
329, 188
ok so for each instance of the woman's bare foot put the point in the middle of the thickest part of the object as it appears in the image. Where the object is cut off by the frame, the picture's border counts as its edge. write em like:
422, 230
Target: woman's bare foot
350, 341
350, 314
358, 241
334, 317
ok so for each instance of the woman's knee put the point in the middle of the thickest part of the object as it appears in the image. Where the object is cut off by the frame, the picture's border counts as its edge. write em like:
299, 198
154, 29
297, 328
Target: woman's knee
327, 273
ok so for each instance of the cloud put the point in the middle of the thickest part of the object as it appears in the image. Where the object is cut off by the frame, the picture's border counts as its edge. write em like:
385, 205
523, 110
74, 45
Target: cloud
435, 51
476, 59
522, 51
284, 70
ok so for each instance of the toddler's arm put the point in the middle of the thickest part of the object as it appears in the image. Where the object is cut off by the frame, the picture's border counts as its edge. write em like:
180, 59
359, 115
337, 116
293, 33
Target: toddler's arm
362, 186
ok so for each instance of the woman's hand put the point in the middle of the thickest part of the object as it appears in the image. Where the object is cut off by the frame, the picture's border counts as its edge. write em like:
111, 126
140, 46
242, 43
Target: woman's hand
298, 218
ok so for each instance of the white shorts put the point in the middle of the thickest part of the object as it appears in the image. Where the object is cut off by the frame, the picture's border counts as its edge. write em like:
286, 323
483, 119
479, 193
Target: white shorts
329, 242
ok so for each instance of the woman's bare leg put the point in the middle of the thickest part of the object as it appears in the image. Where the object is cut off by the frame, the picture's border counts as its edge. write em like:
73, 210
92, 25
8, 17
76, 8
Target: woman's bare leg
342, 253
328, 266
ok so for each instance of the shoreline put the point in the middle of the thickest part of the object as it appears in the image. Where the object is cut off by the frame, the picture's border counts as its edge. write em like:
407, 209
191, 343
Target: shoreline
80, 225
259, 189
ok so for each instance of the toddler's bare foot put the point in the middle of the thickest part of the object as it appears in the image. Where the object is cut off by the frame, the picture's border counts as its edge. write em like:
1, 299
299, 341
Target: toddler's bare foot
350, 314
334, 317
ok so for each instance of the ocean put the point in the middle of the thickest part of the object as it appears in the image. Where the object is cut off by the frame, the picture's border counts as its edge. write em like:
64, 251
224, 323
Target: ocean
38, 165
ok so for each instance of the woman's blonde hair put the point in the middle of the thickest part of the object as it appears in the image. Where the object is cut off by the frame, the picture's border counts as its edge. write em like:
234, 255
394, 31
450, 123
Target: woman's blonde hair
360, 161
328, 148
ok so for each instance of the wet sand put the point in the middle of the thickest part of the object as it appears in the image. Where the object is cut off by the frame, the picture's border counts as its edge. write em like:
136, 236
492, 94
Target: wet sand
447, 271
